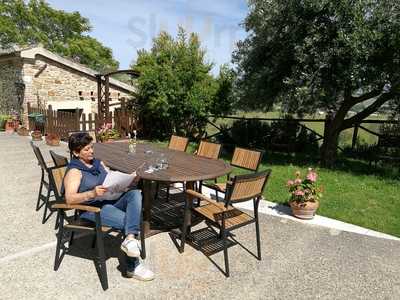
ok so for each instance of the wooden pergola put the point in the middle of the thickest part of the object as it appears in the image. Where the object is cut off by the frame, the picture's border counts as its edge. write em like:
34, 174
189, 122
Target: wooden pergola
103, 93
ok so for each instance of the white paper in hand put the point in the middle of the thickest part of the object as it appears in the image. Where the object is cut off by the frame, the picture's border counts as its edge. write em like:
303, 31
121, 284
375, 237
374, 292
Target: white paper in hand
116, 183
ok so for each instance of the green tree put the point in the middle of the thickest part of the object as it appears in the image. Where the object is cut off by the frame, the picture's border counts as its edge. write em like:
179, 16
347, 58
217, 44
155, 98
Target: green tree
225, 98
321, 54
26, 23
176, 90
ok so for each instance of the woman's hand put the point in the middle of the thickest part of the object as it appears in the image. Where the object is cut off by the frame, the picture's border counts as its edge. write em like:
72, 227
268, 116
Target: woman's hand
99, 191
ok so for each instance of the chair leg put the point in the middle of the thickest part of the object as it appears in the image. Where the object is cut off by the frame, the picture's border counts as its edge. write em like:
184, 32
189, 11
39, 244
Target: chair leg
57, 221
38, 206
47, 207
101, 260
71, 239
256, 202
225, 245
60, 234
94, 241
258, 239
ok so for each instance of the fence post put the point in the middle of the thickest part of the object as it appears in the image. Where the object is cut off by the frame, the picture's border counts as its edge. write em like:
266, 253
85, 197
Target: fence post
49, 118
77, 120
83, 122
355, 133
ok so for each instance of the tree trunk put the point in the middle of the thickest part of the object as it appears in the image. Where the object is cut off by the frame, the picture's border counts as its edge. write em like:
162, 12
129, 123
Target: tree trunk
329, 149
330, 143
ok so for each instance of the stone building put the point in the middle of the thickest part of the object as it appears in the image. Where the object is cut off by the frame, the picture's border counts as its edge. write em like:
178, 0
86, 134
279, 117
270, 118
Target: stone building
42, 78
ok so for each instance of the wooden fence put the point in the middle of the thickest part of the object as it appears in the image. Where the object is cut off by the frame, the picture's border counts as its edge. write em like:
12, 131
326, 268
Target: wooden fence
62, 122
318, 135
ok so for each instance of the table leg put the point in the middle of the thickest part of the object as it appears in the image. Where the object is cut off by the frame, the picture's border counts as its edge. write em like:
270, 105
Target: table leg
147, 200
187, 219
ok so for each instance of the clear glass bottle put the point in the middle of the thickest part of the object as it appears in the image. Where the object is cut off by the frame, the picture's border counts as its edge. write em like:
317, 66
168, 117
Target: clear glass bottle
132, 143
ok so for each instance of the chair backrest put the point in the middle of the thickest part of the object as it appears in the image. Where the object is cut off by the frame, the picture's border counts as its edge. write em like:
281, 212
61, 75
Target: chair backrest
59, 160
39, 156
56, 176
245, 187
209, 150
92, 133
178, 143
246, 158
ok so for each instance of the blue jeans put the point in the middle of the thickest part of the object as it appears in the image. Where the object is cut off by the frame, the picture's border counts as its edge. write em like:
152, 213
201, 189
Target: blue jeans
124, 213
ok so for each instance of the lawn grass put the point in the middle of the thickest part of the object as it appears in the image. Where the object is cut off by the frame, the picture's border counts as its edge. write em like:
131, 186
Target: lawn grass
353, 192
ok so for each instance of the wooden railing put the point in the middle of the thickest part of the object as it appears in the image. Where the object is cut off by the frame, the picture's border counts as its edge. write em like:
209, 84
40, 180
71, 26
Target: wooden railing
61, 122
319, 136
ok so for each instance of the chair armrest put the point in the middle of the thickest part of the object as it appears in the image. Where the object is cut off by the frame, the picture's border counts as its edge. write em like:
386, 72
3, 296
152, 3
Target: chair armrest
76, 206
195, 194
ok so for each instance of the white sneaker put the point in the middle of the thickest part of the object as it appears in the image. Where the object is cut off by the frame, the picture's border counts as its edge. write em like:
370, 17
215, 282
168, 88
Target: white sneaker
141, 273
131, 247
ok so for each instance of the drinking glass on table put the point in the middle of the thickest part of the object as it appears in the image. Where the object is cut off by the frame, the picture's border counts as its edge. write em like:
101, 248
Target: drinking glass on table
163, 161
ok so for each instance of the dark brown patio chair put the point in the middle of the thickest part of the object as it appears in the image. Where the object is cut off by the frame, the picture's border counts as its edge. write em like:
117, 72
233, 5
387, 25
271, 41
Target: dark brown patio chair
224, 216
59, 160
242, 158
69, 225
43, 199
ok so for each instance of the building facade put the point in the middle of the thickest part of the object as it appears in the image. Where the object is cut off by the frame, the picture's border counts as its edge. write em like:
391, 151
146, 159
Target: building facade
41, 78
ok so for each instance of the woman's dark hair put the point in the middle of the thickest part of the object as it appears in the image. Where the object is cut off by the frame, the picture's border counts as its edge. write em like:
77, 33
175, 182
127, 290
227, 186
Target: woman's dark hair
77, 141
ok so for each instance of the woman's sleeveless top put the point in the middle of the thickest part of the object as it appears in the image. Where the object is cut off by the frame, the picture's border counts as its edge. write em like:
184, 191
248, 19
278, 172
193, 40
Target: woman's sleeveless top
91, 177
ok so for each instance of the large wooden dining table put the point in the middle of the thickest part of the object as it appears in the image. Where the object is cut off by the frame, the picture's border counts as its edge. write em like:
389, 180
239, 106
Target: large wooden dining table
182, 167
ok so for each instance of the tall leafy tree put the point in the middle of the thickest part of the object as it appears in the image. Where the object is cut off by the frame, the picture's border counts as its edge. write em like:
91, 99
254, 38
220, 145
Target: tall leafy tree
176, 90
32, 22
321, 54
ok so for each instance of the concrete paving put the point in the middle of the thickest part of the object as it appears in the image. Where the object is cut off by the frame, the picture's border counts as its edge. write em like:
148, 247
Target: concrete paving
300, 261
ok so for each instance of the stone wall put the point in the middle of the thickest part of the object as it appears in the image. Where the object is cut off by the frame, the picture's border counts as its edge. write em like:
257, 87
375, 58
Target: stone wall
48, 82
10, 73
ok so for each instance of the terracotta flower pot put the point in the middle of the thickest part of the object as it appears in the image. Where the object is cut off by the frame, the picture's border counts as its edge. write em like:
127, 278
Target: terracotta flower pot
109, 140
53, 139
304, 210
36, 135
23, 131
9, 126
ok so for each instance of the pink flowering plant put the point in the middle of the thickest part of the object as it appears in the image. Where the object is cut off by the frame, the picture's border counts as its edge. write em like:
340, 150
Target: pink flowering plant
304, 189
107, 132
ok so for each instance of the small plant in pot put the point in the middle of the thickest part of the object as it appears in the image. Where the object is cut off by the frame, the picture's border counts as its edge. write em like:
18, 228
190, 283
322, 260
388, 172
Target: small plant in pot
107, 133
53, 139
36, 135
304, 194
23, 131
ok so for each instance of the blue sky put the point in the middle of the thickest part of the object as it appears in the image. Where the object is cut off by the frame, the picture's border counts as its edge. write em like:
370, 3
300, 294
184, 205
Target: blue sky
128, 25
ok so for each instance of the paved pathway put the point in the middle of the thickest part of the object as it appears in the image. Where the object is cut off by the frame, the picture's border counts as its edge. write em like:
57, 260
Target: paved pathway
300, 261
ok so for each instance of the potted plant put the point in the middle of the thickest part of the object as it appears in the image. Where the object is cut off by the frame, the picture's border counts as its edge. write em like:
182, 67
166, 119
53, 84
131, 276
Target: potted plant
23, 131
304, 195
52, 139
107, 133
36, 135
3, 120
9, 125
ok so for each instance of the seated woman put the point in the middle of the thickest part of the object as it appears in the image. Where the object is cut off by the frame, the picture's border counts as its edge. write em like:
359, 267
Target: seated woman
83, 183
